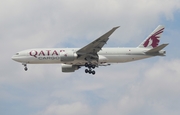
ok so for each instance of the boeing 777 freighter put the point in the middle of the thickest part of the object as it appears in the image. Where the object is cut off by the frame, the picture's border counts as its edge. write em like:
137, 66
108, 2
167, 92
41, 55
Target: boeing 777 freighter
93, 55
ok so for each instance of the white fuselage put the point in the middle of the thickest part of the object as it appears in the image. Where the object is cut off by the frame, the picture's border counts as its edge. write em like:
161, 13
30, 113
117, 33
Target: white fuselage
93, 54
53, 55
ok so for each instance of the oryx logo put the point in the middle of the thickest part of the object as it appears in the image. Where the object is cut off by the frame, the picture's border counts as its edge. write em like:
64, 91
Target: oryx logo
153, 39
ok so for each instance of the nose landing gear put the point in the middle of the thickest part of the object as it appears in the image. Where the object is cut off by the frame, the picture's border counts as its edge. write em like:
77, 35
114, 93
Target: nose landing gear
90, 66
25, 67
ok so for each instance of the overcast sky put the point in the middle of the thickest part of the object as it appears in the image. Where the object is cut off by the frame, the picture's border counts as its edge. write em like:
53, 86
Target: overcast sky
145, 87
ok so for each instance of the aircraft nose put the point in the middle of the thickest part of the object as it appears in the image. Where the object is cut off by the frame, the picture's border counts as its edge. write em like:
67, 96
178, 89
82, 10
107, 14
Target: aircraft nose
14, 58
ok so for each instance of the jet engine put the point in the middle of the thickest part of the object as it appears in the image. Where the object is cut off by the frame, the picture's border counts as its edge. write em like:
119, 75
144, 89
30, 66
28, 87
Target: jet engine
69, 68
67, 56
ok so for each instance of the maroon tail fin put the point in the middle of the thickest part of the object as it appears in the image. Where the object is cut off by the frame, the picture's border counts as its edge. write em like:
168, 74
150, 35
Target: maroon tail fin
153, 39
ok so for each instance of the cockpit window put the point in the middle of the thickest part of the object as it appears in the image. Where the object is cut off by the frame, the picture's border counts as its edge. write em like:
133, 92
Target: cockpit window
17, 53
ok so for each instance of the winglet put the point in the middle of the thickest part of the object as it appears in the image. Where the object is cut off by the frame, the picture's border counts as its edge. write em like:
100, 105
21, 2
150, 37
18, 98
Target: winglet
110, 32
116, 27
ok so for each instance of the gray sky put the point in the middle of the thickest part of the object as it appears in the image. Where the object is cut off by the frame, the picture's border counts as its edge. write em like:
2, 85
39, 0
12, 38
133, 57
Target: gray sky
144, 87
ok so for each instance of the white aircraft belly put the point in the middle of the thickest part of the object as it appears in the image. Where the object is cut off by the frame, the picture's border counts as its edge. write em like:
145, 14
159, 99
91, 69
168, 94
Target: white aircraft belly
124, 58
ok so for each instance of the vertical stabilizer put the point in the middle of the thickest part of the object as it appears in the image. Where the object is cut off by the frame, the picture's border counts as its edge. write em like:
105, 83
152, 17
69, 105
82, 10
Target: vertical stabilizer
153, 39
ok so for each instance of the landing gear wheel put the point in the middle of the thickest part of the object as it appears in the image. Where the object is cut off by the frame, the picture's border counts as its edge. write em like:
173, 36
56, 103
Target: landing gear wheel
90, 71
90, 67
86, 64
86, 70
93, 66
25, 68
93, 72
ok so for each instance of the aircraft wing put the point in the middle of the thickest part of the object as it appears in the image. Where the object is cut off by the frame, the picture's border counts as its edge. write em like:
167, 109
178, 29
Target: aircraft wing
95, 46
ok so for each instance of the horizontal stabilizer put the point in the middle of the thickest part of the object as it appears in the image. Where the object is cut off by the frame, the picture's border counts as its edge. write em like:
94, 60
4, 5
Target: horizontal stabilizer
156, 49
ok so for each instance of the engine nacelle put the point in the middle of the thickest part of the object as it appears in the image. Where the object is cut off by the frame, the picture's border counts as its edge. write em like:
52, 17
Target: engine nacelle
67, 56
102, 59
69, 68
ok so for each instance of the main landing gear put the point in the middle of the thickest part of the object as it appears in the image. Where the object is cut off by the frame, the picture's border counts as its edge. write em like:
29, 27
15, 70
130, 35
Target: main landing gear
25, 67
90, 67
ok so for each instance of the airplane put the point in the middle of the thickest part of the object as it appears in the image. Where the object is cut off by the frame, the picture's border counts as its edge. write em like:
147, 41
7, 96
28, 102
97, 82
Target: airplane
93, 55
